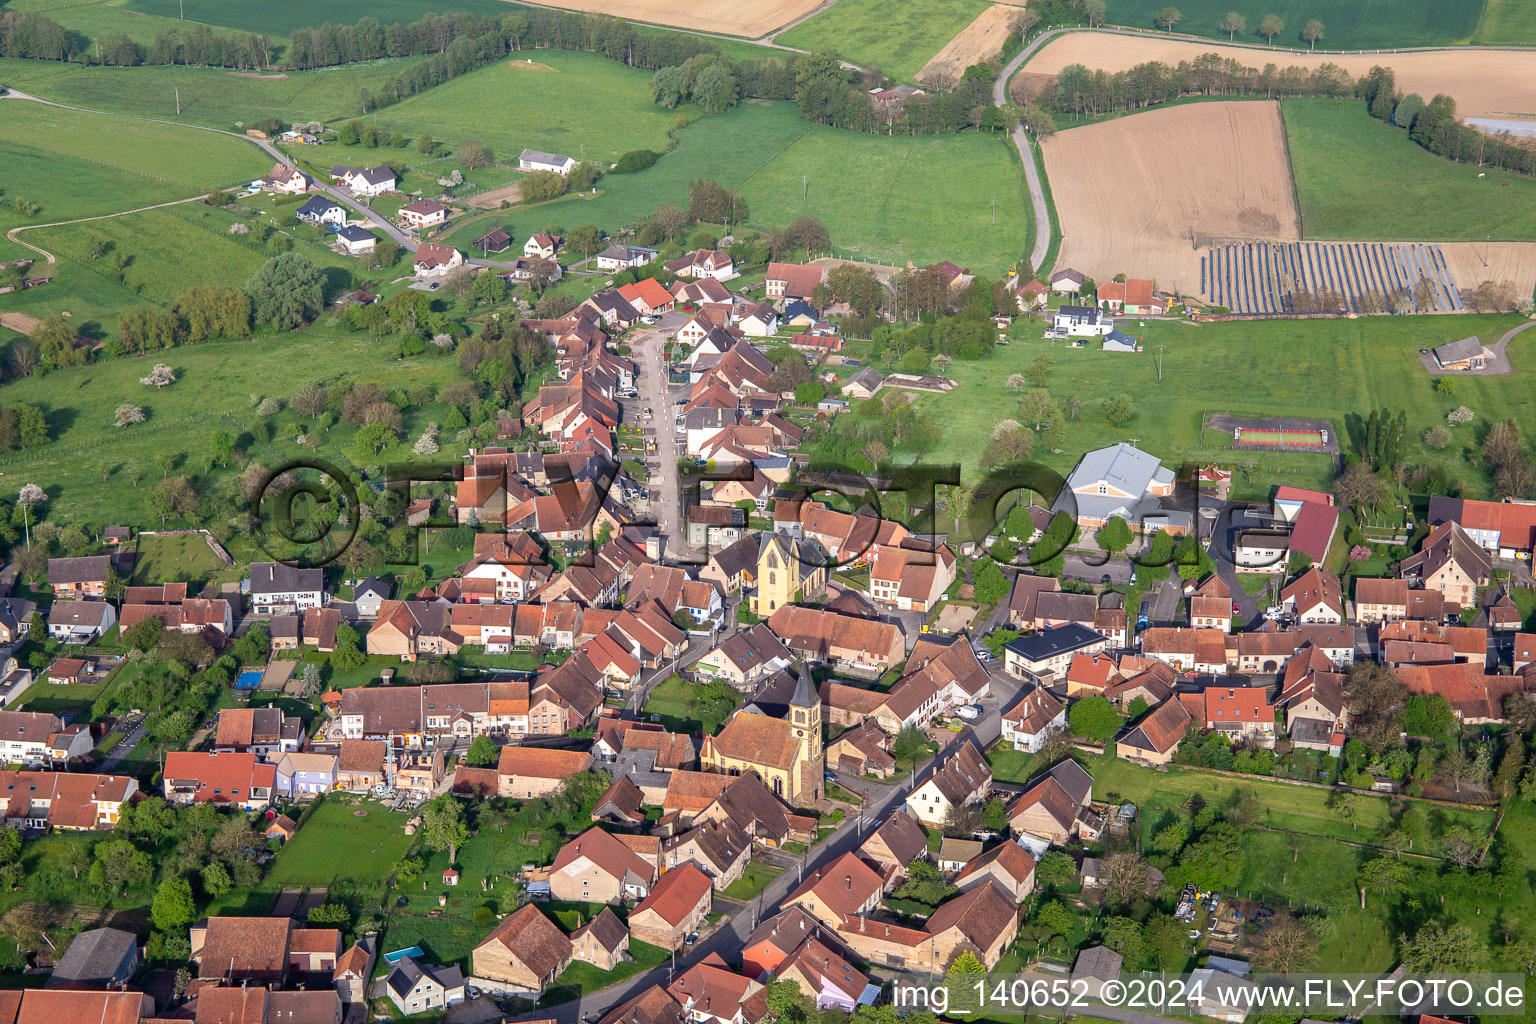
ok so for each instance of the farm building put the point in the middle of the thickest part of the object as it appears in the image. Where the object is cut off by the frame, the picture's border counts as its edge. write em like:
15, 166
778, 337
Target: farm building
533, 160
494, 240
1465, 354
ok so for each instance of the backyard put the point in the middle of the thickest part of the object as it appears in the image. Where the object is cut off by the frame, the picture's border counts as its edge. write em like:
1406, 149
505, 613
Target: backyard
171, 558
691, 707
373, 837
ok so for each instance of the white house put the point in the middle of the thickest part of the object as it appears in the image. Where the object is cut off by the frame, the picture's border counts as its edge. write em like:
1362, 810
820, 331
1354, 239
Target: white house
365, 181
278, 587
533, 160
623, 257
962, 780
1030, 722
320, 210
356, 241
434, 260
417, 988
541, 246
80, 622
283, 178
1067, 281
423, 214
759, 321
1083, 321
704, 263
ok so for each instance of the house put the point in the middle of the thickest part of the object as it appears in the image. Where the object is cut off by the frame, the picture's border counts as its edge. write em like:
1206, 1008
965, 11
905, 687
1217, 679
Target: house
301, 776
366, 181
542, 245
777, 938
282, 829
1082, 321
1157, 736
647, 296
533, 160
524, 773
854, 644
101, 958
704, 263
863, 750
1030, 722
260, 731
896, 843
434, 260
963, 779
863, 384
80, 622
1123, 482
355, 240
623, 257
1450, 562
715, 526
283, 178
1031, 295
76, 579
1047, 654
236, 950
1506, 529
65, 801
827, 977
595, 867
720, 849
602, 942
675, 908
524, 953
320, 210
1200, 651
1096, 967
67, 672
1239, 711
787, 281
911, 577
494, 240
1463, 354
955, 854
1007, 866
279, 587
15, 620
983, 921
1134, 296
732, 568
1067, 281
423, 214
1315, 598
234, 779
420, 988
746, 658
759, 321
1024, 598
840, 888
1052, 806
369, 595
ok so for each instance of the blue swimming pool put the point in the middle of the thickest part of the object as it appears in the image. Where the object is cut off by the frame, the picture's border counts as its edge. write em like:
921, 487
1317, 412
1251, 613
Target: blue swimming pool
249, 679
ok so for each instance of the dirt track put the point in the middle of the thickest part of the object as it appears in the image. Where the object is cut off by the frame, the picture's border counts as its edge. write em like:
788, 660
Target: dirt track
977, 43
21, 323
1485, 83
491, 199
1130, 191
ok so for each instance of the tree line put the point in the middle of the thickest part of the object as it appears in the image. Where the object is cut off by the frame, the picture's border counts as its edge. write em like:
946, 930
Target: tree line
1435, 127
1079, 91
38, 37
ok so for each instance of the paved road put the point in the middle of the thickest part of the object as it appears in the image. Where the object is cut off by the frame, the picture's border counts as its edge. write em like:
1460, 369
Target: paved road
649, 351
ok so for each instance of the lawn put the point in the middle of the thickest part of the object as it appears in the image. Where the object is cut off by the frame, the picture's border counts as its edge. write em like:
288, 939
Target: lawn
1347, 25
1291, 808
177, 558
373, 844
1330, 366
754, 879
213, 392
1507, 21
582, 979
682, 707
209, 96
571, 103
1009, 764
1358, 178
896, 38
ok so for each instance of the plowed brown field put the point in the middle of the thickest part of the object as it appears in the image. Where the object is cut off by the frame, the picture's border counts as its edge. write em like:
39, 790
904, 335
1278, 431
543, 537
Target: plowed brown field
730, 17
979, 41
1485, 83
1130, 192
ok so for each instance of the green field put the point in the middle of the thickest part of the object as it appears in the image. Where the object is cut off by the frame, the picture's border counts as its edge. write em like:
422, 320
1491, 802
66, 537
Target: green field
213, 392
281, 17
586, 106
896, 38
1330, 366
182, 557
1348, 26
374, 843
98, 19
1357, 178
1507, 21
57, 159
208, 95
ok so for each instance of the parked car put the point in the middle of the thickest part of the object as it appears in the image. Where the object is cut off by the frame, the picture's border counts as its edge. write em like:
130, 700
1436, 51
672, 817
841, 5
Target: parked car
969, 712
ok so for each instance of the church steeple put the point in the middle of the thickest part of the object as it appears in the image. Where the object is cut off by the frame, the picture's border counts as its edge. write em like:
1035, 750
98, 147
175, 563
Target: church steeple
805, 723
805, 693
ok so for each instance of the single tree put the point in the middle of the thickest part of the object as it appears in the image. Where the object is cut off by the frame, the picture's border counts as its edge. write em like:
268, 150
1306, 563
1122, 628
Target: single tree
1167, 17
1312, 31
1233, 23
1270, 26
172, 908
473, 154
1095, 10
443, 827
1286, 945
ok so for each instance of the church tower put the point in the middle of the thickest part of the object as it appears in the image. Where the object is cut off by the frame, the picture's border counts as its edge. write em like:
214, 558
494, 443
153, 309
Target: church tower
805, 724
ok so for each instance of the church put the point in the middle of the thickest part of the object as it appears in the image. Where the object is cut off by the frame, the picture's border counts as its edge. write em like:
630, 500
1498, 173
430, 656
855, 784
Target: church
788, 571
786, 752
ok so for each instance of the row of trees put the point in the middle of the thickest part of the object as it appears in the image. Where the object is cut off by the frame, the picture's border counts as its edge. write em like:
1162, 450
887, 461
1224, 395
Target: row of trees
1079, 91
1435, 126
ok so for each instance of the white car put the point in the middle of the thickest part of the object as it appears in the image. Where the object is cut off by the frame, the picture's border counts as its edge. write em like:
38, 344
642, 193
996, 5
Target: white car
969, 712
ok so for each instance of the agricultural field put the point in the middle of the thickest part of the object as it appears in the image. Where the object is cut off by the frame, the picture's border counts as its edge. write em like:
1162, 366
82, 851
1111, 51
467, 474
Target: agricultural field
980, 41
91, 465
1362, 364
1349, 26
1358, 178
209, 96
1485, 83
147, 164
280, 17
1507, 21
99, 18
1130, 199
896, 38
571, 103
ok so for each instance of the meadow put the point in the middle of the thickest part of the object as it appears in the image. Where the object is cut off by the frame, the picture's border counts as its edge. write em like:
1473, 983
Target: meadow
174, 557
570, 103
214, 391
1347, 26
101, 18
1328, 366
209, 96
896, 38
1358, 178
1507, 21
281, 17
